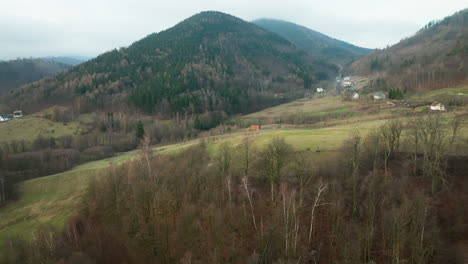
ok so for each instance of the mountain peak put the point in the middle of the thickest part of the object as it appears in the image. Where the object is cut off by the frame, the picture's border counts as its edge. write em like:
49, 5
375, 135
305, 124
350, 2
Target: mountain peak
209, 62
315, 43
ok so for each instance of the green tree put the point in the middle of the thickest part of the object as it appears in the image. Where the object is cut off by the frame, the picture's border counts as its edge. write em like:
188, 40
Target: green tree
140, 130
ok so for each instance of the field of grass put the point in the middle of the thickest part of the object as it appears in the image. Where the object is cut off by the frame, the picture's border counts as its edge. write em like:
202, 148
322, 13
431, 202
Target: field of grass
314, 106
29, 128
441, 94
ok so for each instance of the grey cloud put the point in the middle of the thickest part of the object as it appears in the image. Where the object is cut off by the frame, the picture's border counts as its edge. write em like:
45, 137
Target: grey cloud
90, 27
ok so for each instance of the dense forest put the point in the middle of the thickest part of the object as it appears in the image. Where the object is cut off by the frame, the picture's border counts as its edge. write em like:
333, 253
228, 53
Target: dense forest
435, 57
316, 44
209, 62
398, 196
15, 73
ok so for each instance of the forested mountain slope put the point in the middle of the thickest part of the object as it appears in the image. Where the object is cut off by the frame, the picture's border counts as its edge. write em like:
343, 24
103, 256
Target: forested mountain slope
15, 73
435, 57
211, 61
75, 60
315, 43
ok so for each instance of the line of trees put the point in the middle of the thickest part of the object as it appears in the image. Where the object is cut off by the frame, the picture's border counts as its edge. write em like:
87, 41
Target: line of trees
374, 201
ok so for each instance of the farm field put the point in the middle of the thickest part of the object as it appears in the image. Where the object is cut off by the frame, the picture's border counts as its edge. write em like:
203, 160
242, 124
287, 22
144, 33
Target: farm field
29, 128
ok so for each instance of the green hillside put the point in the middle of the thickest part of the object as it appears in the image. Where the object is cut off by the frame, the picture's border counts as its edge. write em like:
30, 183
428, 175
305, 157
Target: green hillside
18, 72
315, 43
434, 57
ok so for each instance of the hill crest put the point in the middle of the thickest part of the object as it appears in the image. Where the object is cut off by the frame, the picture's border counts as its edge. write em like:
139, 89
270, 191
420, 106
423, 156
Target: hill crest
209, 62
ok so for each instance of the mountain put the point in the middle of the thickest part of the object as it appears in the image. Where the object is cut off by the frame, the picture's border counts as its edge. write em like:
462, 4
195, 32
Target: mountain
72, 60
315, 43
209, 62
17, 72
435, 57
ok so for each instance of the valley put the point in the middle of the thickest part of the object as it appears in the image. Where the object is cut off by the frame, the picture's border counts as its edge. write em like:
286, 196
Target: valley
56, 197
219, 140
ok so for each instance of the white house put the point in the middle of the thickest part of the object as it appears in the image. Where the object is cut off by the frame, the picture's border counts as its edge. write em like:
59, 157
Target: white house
17, 114
436, 106
379, 96
319, 90
347, 78
347, 84
355, 96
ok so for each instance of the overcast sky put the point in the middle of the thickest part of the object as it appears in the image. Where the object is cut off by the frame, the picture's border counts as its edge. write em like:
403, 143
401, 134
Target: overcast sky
90, 27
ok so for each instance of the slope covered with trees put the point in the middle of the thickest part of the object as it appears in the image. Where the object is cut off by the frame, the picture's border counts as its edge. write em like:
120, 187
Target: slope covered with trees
15, 73
209, 62
69, 60
396, 196
315, 43
435, 57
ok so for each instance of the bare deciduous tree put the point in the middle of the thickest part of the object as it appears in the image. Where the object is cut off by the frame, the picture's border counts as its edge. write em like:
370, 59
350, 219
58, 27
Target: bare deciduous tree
274, 158
390, 134
321, 188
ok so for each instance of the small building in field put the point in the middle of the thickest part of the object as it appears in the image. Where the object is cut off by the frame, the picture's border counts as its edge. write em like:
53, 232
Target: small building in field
355, 96
347, 84
320, 90
17, 114
379, 96
255, 127
436, 106
4, 118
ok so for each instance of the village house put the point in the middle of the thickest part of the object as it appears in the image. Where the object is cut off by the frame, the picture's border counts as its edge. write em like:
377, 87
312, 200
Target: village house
379, 96
347, 84
255, 127
4, 118
17, 114
436, 106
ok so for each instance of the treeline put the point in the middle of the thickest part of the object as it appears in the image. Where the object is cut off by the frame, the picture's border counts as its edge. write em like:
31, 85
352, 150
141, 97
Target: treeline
101, 137
381, 199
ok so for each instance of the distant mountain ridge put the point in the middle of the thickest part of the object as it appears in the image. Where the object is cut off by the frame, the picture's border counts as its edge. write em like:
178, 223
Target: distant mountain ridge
209, 62
18, 72
435, 57
315, 43
70, 60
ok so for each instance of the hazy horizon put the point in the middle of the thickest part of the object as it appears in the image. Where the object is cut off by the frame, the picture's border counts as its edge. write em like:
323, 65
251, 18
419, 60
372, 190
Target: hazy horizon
88, 28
